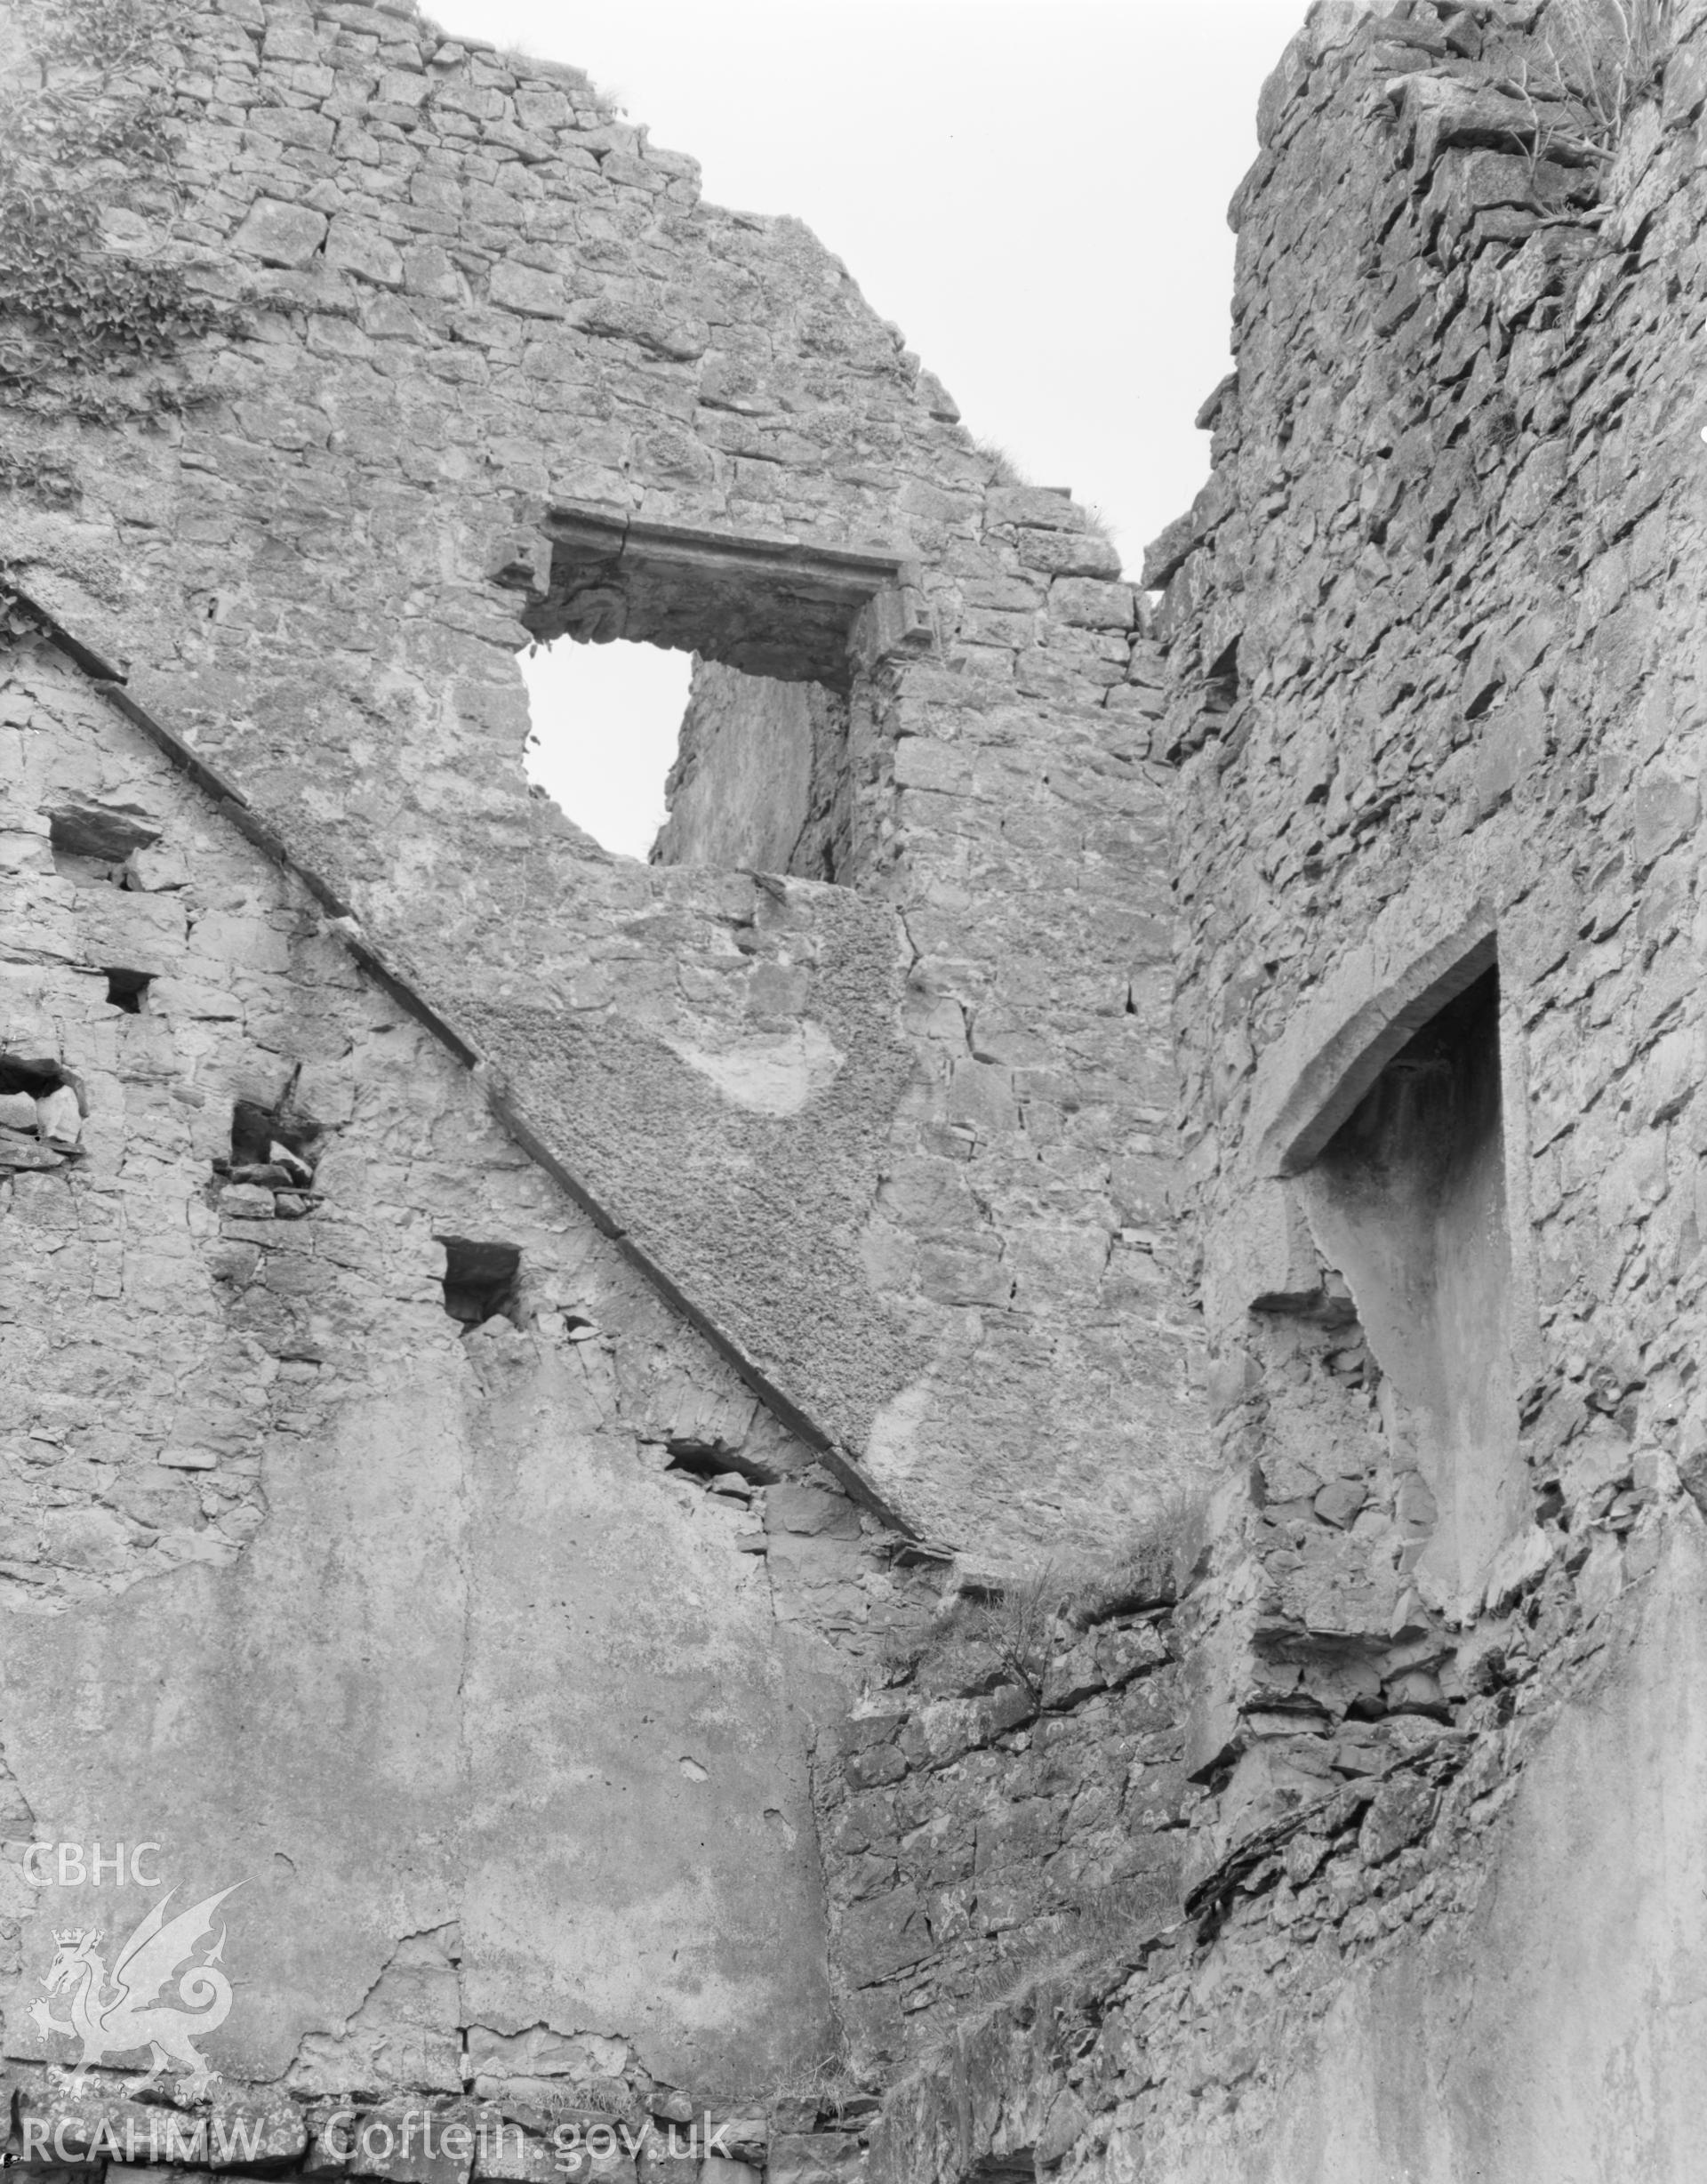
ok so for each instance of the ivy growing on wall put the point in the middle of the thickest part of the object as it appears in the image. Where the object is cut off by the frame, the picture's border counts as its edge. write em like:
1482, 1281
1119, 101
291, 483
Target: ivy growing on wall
85, 128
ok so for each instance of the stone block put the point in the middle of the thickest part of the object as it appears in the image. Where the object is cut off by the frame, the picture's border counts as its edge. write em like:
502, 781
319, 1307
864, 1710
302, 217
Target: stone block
1069, 553
1068, 2120
721, 2169
1126, 1652
1259, 1256
1084, 603
506, 2154
870, 1769
1667, 810
660, 2165
134, 932
157, 867
258, 2136
414, 2142
878, 1940
18, 1151
941, 1732
428, 270
1402, 1811
1007, 1709
921, 763
1339, 1502
401, 87
246, 1201
1596, 1458
354, 248
1513, 744
1516, 1566
59, 1120
1072, 1676
863, 1730
1034, 505
255, 2135
814, 2157
290, 37
543, 111
281, 235
811, 1511
524, 288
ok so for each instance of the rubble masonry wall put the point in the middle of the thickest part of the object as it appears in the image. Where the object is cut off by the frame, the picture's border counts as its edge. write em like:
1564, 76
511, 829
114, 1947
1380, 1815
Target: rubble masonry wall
907, 1147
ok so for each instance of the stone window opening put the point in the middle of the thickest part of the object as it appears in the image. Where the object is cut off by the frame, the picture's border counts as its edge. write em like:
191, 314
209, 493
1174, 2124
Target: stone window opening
128, 989
606, 721
758, 774
481, 1282
1407, 1197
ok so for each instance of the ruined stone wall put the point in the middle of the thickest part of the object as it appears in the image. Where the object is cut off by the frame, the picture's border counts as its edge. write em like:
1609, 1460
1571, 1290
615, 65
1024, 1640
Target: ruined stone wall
905, 1149
483, 1317
1434, 633
1392, 1813
473, 1651
1012, 1790
1455, 737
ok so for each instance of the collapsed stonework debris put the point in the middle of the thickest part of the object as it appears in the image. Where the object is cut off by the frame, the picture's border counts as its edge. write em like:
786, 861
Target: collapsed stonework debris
999, 1473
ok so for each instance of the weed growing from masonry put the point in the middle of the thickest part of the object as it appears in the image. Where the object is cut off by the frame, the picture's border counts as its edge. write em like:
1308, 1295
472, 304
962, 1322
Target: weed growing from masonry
1611, 53
1175, 1538
84, 128
1603, 58
827, 2084
1005, 471
1020, 1621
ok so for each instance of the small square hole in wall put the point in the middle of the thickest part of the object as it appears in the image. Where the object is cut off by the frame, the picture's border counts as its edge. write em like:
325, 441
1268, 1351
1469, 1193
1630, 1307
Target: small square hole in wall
32, 1079
480, 1281
126, 990
39, 1104
260, 1134
270, 1144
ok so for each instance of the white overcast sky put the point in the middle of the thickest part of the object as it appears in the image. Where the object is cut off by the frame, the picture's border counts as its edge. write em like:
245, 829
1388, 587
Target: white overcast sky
1036, 190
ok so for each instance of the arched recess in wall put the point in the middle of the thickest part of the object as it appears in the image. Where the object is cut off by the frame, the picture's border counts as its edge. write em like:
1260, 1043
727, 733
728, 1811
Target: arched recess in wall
780, 635
1394, 1139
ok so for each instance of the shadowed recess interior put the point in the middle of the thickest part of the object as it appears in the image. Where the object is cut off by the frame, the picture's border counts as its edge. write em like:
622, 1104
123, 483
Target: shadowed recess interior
1408, 1197
259, 1133
480, 1280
